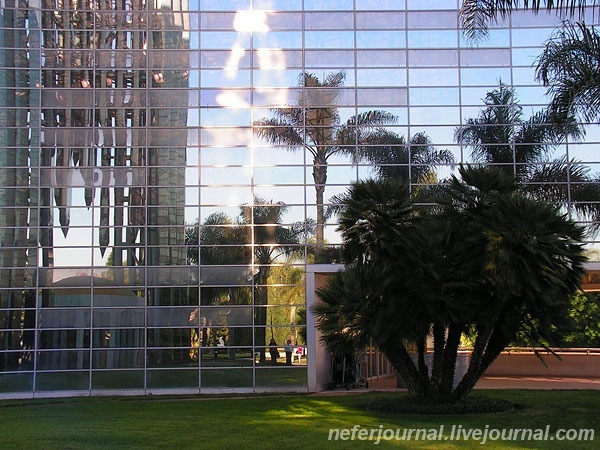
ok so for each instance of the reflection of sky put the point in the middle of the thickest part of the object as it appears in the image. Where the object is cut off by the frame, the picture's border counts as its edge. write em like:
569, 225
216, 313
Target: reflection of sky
250, 64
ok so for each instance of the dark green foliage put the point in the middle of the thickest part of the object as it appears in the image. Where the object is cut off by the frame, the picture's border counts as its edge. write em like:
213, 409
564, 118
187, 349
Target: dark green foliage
485, 259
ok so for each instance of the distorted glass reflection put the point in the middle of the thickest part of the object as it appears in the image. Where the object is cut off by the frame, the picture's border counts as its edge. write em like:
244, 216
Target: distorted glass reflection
168, 171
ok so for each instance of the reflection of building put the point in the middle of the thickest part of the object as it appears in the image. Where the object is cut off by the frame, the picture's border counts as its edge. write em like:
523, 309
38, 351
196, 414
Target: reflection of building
122, 122
67, 336
105, 105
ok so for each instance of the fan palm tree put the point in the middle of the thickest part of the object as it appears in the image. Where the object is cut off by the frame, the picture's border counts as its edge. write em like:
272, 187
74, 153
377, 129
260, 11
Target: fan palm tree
354, 307
314, 124
533, 264
475, 15
501, 137
568, 66
487, 258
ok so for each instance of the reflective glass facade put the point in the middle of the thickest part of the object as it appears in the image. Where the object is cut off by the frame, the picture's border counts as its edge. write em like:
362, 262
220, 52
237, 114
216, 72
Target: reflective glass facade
166, 169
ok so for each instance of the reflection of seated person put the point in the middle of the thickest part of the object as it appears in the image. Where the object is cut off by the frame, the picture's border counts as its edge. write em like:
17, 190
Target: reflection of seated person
298, 353
220, 343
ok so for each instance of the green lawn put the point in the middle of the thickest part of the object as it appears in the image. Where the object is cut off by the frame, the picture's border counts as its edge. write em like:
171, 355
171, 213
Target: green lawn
278, 422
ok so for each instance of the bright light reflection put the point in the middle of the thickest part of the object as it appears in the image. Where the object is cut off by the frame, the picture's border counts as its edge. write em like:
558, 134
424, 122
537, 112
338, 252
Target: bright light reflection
231, 99
271, 59
250, 21
233, 62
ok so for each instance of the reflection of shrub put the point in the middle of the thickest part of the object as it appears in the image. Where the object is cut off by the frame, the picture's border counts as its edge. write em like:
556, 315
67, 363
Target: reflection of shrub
579, 327
330, 255
585, 317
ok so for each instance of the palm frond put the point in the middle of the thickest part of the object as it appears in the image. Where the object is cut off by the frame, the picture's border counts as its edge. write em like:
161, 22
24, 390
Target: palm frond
568, 66
476, 15
278, 132
491, 134
567, 182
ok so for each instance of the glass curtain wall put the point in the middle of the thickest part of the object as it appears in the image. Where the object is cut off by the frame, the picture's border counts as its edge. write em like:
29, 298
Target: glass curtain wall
167, 167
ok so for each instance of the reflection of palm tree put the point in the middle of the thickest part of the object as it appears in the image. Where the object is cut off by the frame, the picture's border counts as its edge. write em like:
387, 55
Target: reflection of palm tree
314, 124
569, 67
395, 158
287, 283
218, 242
221, 242
500, 136
256, 239
270, 241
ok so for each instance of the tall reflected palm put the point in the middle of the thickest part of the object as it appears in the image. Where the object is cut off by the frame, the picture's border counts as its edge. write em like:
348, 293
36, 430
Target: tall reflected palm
313, 124
257, 238
500, 136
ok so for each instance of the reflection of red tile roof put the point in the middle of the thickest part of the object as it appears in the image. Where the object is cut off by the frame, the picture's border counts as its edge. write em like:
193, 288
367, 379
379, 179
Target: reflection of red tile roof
83, 284
591, 281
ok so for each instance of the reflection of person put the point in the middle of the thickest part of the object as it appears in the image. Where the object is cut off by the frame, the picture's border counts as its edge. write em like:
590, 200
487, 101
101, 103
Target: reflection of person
289, 349
220, 343
273, 351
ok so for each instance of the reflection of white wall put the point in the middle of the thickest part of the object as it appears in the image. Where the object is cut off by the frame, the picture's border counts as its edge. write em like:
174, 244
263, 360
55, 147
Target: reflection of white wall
318, 359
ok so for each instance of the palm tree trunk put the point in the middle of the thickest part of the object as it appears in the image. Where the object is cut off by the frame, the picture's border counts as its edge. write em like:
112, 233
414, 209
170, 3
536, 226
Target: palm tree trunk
496, 343
472, 375
320, 179
422, 365
260, 321
488, 345
450, 354
403, 363
439, 338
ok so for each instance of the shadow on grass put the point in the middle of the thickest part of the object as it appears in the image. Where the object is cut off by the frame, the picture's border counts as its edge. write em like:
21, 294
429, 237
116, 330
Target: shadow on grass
404, 404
